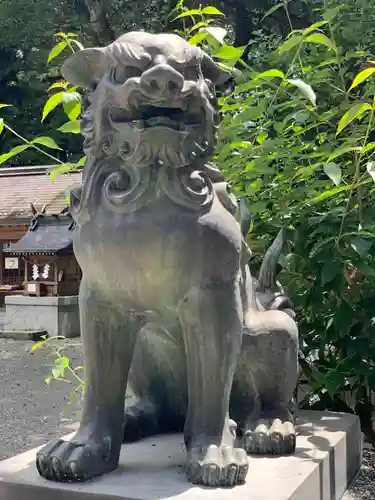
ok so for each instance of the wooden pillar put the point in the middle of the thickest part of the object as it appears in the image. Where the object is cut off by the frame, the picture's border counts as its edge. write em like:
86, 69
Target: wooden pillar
25, 285
56, 277
1, 263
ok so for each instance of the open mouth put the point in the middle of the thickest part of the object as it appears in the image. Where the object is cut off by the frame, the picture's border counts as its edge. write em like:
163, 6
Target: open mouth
147, 116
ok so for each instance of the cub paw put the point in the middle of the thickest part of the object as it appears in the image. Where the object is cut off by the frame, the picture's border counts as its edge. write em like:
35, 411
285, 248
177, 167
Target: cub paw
270, 437
217, 466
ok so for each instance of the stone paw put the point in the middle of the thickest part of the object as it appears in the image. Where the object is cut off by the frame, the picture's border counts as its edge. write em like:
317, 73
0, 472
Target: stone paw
72, 461
270, 436
141, 420
217, 466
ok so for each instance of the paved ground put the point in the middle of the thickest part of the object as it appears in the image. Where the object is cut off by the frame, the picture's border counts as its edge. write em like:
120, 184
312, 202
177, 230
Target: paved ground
2, 317
30, 411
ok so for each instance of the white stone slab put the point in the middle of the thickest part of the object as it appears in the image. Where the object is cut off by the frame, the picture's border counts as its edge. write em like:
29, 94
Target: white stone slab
329, 453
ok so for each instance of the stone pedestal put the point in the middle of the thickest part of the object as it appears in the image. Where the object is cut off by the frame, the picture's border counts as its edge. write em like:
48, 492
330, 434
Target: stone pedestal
55, 315
329, 452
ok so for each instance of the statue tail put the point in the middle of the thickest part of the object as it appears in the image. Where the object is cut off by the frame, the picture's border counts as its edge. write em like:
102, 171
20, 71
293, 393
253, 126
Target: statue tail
268, 269
245, 220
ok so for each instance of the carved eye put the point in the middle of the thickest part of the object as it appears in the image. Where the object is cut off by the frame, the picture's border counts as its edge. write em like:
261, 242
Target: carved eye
123, 73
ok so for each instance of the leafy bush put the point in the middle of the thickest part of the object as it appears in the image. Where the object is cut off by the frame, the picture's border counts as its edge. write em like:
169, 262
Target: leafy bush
297, 141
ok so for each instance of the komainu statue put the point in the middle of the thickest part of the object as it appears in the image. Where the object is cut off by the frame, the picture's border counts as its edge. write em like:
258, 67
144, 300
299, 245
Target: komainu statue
168, 307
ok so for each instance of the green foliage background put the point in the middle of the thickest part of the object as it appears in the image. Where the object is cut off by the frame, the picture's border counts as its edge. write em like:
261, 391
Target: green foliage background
297, 141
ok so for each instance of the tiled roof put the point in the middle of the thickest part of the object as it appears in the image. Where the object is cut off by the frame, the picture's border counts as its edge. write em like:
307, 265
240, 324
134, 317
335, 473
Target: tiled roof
18, 191
50, 235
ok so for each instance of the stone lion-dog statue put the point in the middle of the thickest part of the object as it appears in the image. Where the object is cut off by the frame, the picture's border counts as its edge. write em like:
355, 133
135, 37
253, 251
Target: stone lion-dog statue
168, 307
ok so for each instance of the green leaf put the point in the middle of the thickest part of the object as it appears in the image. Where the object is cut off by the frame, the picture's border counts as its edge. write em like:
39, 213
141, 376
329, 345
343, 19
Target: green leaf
197, 38
51, 104
274, 9
366, 270
371, 169
216, 32
329, 194
81, 162
189, 13
61, 363
330, 271
46, 141
290, 43
342, 151
262, 137
334, 172
1, 125
48, 380
72, 105
56, 51
362, 77
361, 246
198, 25
212, 11
356, 111
271, 73
65, 168
331, 13
369, 147
229, 52
305, 89
320, 39
314, 26
64, 362
72, 127
13, 152
319, 246
37, 345
59, 85
333, 382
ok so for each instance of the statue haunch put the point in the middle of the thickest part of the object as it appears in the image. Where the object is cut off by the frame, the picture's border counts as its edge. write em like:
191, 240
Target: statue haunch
167, 304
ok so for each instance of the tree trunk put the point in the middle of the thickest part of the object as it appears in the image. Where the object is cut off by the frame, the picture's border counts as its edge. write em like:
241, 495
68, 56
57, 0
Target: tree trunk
98, 21
243, 25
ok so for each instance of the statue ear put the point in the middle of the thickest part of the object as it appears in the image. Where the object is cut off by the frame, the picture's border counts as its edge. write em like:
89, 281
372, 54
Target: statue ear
85, 67
223, 80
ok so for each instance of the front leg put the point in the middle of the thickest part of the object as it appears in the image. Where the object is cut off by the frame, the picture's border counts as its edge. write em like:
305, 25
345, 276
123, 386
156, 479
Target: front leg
211, 316
109, 335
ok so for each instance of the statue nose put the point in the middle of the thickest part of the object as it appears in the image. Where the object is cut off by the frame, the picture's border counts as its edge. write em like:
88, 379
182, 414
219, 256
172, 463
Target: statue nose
162, 80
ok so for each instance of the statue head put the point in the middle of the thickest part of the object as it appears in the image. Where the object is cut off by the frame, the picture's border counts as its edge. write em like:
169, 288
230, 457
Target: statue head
151, 99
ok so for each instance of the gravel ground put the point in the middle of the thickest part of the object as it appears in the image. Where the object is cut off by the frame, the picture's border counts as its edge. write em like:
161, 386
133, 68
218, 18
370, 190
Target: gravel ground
363, 487
31, 412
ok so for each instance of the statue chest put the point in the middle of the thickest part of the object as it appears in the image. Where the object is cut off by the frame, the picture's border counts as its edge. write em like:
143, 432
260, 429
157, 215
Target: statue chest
159, 249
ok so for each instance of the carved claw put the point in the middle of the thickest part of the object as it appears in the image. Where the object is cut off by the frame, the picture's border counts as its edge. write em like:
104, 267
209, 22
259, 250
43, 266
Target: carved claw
217, 466
67, 461
267, 437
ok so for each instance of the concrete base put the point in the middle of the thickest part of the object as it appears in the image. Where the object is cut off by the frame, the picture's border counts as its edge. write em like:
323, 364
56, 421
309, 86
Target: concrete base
34, 335
329, 453
56, 315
